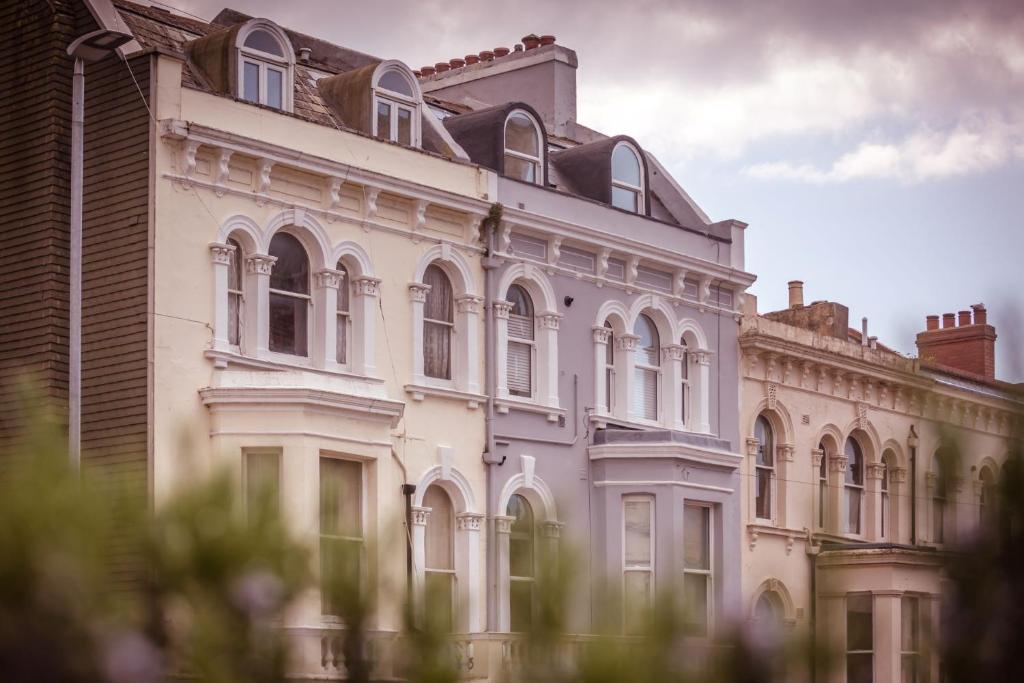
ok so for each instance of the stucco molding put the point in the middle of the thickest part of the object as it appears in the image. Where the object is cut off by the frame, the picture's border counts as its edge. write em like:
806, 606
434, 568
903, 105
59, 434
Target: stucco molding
455, 484
703, 457
345, 405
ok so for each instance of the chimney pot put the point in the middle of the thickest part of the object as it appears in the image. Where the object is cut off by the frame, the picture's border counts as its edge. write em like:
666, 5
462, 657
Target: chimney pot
427, 70
873, 342
518, 47
472, 59
864, 331
486, 56
964, 318
932, 322
441, 67
531, 41
547, 40
980, 314
796, 294
304, 54
500, 52
948, 320
457, 63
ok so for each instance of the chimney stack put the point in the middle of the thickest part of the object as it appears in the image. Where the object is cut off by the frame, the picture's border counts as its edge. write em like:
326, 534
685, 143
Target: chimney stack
961, 344
796, 294
864, 331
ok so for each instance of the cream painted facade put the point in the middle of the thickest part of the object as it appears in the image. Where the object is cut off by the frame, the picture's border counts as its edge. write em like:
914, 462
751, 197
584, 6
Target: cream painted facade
224, 169
803, 554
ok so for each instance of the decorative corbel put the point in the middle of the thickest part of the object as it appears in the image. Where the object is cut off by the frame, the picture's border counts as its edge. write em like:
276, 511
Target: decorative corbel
419, 221
602, 265
554, 253
632, 268
263, 168
223, 171
370, 195
333, 188
704, 291
191, 148
679, 283
505, 238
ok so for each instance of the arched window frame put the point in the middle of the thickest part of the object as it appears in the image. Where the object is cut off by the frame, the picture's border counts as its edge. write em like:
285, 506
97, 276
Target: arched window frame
522, 533
522, 343
854, 487
647, 368
438, 324
639, 191
822, 511
543, 396
304, 329
265, 62
988, 495
607, 401
536, 161
764, 469
396, 102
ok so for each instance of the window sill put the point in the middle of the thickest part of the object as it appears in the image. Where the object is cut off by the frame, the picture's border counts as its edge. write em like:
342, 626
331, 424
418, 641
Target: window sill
222, 359
419, 392
503, 405
602, 420
765, 527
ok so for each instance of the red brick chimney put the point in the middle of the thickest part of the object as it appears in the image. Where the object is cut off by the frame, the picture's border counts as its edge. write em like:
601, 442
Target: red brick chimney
969, 346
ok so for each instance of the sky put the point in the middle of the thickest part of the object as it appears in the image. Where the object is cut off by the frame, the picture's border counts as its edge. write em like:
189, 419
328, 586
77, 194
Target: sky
874, 147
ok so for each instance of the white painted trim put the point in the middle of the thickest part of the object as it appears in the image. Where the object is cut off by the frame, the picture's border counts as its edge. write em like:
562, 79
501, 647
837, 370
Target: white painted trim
419, 391
658, 482
640, 451
366, 407
535, 490
466, 502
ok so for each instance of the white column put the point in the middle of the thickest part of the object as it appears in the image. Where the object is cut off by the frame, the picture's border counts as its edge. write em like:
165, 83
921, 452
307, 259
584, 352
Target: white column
501, 311
467, 565
221, 256
753, 445
672, 359
602, 335
467, 374
783, 466
959, 507
420, 515
325, 306
816, 455
897, 484
364, 342
547, 358
625, 346
886, 635
417, 297
257, 301
502, 533
703, 367
873, 494
836, 515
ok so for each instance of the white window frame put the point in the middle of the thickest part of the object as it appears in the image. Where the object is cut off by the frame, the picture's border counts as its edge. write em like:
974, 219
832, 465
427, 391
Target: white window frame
238, 258
684, 385
307, 358
396, 101
649, 568
361, 539
883, 492
771, 469
537, 161
346, 315
531, 343
860, 489
608, 399
638, 190
710, 571
265, 61
452, 573
646, 369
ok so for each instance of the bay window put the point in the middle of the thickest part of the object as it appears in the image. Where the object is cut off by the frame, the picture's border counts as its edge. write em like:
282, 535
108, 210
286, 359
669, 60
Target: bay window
637, 560
698, 586
341, 530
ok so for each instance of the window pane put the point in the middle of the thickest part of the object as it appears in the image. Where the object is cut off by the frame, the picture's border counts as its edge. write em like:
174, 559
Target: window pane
262, 480
765, 447
520, 169
696, 537
645, 393
853, 510
855, 466
251, 82
636, 594
340, 562
395, 82
522, 307
859, 622
521, 135
291, 270
636, 519
624, 199
520, 369
439, 541
440, 600
404, 126
234, 311
649, 343
521, 605
439, 299
437, 350
609, 388
264, 42
908, 669
288, 320
858, 668
625, 166
695, 595
275, 90
521, 541
764, 493
340, 497
384, 120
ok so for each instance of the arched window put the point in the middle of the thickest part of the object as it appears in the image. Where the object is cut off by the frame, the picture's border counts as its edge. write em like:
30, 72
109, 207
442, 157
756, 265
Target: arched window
939, 498
523, 148
684, 390
344, 316
884, 485
521, 344
396, 108
609, 369
522, 563
987, 501
627, 179
236, 259
854, 485
822, 485
289, 296
264, 69
438, 323
647, 370
765, 467
440, 558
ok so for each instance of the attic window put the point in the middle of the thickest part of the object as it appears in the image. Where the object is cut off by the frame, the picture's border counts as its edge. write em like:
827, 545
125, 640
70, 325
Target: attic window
627, 179
265, 63
396, 108
522, 147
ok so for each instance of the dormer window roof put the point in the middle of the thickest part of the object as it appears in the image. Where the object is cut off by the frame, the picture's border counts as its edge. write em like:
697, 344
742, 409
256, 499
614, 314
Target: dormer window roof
396, 104
265, 65
523, 145
627, 179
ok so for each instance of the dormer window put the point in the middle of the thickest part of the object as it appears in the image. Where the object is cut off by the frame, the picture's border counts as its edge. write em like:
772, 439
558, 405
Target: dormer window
265, 66
523, 146
627, 179
396, 108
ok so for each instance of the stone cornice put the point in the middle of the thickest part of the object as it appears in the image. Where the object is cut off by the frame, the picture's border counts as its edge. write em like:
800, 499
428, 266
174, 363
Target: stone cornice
363, 407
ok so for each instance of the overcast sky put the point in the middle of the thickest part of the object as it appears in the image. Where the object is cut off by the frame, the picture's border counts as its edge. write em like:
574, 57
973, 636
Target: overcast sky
875, 147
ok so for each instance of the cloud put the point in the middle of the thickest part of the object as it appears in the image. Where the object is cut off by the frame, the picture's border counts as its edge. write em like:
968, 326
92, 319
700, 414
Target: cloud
977, 143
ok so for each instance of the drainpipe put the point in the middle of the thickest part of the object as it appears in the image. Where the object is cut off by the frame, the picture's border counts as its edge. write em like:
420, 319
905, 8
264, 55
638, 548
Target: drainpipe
407, 490
912, 443
812, 555
490, 457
